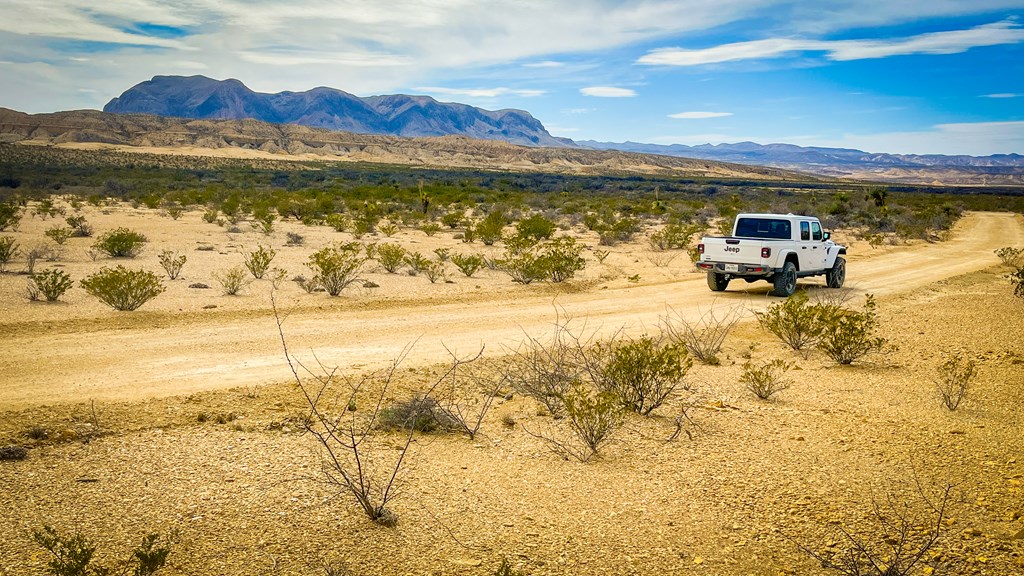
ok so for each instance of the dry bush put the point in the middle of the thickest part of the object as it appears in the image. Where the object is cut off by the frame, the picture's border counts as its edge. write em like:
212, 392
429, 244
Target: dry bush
8, 251
123, 289
1012, 257
592, 419
767, 379
232, 280
546, 369
703, 338
953, 380
172, 263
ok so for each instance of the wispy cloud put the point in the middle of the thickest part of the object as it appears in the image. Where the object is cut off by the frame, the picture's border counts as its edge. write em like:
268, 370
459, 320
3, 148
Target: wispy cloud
608, 92
696, 115
481, 92
303, 58
949, 42
579, 110
545, 64
1002, 95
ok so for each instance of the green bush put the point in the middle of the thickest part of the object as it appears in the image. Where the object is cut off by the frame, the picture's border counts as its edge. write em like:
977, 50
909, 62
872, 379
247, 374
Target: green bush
489, 229
52, 283
536, 227
123, 289
434, 271
468, 264
794, 321
59, 234
593, 420
337, 221
391, 257
524, 267
673, 236
641, 372
79, 227
73, 556
417, 262
8, 251
232, 280
258, 261
334, 268
172, 263
848, 335
430, 228
120, 243
452, 219
10, 215
419, 413
765, 380
562, 259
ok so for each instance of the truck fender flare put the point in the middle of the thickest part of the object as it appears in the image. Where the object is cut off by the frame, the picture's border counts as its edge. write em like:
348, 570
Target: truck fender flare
787, 256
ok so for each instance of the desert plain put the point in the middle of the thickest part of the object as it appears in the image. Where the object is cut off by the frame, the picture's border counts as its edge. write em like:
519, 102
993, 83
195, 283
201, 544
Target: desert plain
183, 417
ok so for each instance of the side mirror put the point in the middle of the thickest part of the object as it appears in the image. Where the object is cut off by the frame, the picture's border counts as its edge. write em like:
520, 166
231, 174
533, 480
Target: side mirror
826, 236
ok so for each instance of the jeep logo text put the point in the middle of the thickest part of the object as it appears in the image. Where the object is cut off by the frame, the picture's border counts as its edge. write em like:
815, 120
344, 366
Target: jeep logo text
732, 249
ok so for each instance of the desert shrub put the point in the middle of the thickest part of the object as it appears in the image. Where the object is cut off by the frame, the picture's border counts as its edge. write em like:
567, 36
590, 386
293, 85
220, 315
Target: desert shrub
80, 228
417, 262
232, 280
172, 263
434, 271
546, 369
294, 239
561, 259
848, 335
388, 229
1017, 279
10, 215
468, 264
430, 228
59, 234
506, 569
641, 372
703, 339
766, 379
443, 254
308, 285
52, 283
73, 556
452, 219
263, 220
123, 289
592, 420
36, 253
419, 413
334, 268
600, 255
953, 380
120, 243
673, 236
469, 234
794, 321
1012, 257
524, 267
210, 215
258, 261
337, 221
391, 257
8, 251
536, 227
489, 229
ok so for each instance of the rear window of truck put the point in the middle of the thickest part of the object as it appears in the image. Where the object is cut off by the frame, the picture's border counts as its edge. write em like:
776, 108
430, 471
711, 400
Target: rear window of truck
766, 228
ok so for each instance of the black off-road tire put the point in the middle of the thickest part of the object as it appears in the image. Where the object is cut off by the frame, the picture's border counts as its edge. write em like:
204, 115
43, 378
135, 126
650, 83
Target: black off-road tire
836, 275
785, 280
717, 282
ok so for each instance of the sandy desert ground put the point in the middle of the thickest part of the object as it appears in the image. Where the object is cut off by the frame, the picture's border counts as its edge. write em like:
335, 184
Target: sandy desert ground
120, 396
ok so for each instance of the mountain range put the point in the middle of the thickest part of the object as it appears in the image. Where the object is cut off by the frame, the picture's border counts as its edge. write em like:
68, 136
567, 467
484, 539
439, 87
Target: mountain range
397, 115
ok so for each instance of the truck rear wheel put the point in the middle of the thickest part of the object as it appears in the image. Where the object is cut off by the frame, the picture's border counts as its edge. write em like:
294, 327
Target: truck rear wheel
785, 280
836, 275
717, 282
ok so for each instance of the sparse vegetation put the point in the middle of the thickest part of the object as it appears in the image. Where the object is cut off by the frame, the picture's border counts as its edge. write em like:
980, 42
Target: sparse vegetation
1012, 257
953, 380
765, 379
335, 268
8, 251
51, 283
74, 555
592, 418
258, 261
848, 335
172, 263
704, 338
795, 321
468, 264
123, 289
1017, 279
59, 234
232, 280
391, 257
120, 243
642, 372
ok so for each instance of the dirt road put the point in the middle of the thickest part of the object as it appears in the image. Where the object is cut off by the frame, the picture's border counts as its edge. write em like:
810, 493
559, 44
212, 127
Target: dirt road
160, 355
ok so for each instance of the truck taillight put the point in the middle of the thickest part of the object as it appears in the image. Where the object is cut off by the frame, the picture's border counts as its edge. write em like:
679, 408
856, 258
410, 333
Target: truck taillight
766, 252
700, 248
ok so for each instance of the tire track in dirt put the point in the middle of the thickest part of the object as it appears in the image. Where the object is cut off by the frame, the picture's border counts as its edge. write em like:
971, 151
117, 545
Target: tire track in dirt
137, 362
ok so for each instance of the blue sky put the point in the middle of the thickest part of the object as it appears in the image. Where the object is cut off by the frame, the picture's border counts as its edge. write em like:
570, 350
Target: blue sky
942, 76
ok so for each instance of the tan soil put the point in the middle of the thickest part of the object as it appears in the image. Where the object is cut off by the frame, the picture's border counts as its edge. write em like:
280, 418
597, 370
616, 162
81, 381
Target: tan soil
244, 497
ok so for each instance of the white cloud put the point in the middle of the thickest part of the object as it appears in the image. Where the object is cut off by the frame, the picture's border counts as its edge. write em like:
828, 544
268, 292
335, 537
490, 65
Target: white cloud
579, 110
1002, 95
607, 92
545, 64
698, 115
481, 92
950, 42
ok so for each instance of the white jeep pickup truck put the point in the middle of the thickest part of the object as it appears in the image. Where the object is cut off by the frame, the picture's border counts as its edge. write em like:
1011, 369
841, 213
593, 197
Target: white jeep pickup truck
778, 248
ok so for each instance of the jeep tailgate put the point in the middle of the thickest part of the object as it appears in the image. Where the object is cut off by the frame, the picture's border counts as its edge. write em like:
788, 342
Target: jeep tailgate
732, 250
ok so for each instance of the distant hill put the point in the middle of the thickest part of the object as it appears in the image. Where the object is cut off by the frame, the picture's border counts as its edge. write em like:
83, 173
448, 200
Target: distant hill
255, 139
845, 162
397, 115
